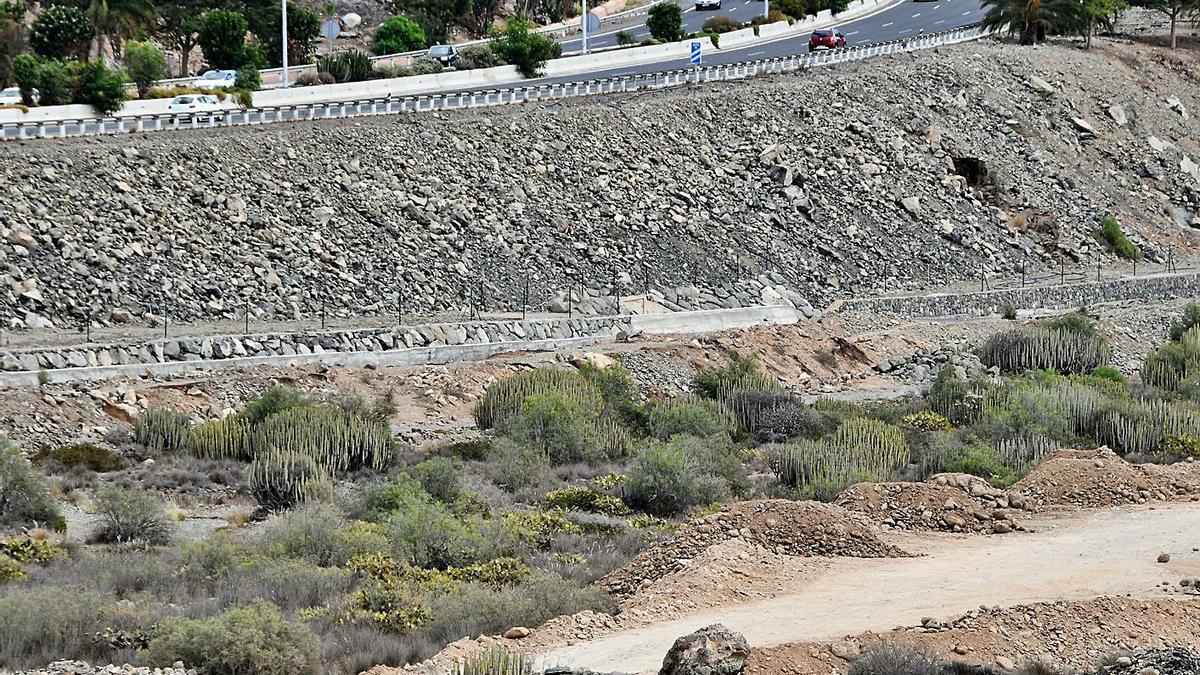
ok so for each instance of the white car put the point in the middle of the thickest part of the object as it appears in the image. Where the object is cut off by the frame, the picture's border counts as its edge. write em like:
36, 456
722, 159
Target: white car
708, 4
215, 79
195, 104
12, 96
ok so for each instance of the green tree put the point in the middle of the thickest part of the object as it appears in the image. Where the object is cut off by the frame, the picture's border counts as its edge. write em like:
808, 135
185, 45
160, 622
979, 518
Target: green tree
304, 31
436, 17
665, 22
1100, 15
115, 21
248, 78
398, 34
1173, 10
144, 64
179, 26
1031, 20
222, 36
523, 48
12, 38
797, 9
97, 85
62, 31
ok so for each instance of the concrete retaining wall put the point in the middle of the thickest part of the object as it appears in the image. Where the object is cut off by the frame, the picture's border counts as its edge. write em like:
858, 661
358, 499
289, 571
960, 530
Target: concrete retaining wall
1158, 287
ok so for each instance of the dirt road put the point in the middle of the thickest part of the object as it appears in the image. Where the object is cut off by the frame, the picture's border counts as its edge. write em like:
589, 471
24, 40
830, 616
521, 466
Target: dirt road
1082, 556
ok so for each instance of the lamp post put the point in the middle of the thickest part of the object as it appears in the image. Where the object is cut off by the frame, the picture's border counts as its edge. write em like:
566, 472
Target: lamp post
283, 22
585, 27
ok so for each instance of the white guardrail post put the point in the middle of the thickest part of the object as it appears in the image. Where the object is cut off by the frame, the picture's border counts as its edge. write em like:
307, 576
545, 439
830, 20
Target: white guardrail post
478, 98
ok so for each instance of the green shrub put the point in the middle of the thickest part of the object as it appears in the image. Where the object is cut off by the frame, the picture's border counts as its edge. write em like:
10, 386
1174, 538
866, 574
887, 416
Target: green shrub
1171, 365
27, 74
669, 478
518, 45
439, 477
665, 22
859, 450
797, 9
518, 466
87, 455
565, 431
97, 86
321, 535
475, 449
1181, 445
504, 399
27, 550
424, 533
248, 79
1008, 312
397, 35
980, 460
1076, 322
54, 83
41, 623
222, 37
580, 498
423, 65
740, 374
688, 416
282, 479
162, 429
1190, 318
304, 33
625, 38
1109, 373
348, 66
927, 421
10, 570
60, 32
1038, 348
144, 64
129, 515
538, 530
477, 56
1117, 240
24, 496
256, 639
719, 24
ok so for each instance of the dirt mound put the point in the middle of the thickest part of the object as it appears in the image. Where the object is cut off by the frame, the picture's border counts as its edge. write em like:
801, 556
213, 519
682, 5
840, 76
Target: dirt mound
951, 502
778, 526
1071, 634
1099, 478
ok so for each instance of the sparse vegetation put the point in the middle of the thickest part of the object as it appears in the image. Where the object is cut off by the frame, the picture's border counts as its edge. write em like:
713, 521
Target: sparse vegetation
130, 515
24, 496
1117, 240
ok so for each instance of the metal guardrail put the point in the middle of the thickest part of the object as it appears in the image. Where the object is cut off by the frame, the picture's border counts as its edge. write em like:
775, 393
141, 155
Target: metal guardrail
481, 98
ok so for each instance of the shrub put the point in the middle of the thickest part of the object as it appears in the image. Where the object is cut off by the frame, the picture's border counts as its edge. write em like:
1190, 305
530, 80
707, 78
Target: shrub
1117, 240
97, 86
625, 38
162, 429
586, 499
1180, 445
1039, 348
424, 65
320, 534
256, 639
523, 48
54, 83
504, 399
28, 550
477, 56
10, 570
43, 623
1075, 322
281, 479
144, 64
1171, 365
304, 32
719, 24
740, 374
87, 455
980, 460
927, 421
566, 432
424, 533
274, 399
669, 478
1109, 373
222, 38
62, 31
665, 22
308, 79
348, 66
439, 477
895, 659
129, 515
397, 35
1008, 312
248, 79
692, 417
24, 496
797, 9
518, 466
1190, 318
26, 73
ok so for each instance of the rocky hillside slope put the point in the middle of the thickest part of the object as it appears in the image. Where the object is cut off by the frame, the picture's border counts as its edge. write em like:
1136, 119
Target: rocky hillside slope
902, 173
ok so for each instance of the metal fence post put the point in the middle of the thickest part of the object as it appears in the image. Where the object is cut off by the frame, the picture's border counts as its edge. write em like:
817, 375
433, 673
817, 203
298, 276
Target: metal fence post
247, 317
616, 290
525, 297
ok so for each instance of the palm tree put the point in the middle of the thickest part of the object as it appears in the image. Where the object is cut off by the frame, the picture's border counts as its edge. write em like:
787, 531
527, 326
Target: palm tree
1031, 19
116, 21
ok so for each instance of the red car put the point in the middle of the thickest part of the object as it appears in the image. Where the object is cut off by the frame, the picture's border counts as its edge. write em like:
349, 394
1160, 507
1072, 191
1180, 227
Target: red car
826, 38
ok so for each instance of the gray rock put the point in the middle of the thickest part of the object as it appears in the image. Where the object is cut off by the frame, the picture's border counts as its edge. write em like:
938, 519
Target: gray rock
713, 650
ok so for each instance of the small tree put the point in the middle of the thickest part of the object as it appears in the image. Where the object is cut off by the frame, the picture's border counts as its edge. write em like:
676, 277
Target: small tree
222, 37
26, 71
144, 64
1173, 10
1100, 15
797, 9
131, 515
12, 38
665, 22
95, 84
398, 34
523, 48
248, 78
1031, 20
62, 31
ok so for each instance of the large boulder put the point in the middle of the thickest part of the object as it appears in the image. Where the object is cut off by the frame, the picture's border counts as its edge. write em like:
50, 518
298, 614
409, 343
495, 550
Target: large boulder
712, 650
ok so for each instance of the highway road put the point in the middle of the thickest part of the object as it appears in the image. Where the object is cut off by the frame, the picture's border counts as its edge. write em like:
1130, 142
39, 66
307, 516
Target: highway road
741, 11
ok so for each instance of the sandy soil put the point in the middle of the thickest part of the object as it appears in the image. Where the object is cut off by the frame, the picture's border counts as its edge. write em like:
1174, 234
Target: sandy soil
1070, 557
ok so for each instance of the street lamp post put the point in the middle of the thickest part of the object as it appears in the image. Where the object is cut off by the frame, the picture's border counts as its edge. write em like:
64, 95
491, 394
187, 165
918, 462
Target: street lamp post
585, 26
283, 22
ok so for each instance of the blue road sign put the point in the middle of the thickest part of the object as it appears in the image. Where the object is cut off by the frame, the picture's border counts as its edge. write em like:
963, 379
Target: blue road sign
695, 53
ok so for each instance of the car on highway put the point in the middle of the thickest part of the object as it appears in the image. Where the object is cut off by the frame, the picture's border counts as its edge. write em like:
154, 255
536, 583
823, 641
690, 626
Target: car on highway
826, 38
215, 79
196, 104
447, 55
707, 4
12, 96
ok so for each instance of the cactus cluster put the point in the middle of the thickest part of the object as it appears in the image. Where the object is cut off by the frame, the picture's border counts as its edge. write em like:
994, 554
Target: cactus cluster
495, 661
1043, 348
860, 449
161, 430
504, 399
281, 479
1174, 364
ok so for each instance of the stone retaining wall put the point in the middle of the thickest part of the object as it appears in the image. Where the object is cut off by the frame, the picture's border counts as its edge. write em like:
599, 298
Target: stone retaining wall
216, 348
1158, 287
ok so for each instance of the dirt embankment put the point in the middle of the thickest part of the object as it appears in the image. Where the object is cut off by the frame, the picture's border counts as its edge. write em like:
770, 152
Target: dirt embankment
1100, 478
